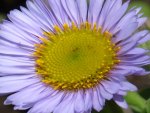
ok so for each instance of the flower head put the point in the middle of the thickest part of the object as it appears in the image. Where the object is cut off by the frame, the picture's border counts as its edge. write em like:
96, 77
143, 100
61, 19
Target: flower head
68, 56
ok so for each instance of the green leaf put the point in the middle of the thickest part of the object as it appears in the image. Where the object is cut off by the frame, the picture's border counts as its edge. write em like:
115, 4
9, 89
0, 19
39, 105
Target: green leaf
136, 102
148, 106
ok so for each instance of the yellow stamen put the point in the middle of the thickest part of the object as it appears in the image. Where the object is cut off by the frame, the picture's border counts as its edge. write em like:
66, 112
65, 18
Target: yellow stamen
75, 57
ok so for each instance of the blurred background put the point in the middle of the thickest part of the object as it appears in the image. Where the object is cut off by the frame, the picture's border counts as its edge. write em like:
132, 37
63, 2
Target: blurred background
139, 102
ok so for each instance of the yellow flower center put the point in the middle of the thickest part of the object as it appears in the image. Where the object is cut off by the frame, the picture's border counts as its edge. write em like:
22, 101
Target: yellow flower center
74, 58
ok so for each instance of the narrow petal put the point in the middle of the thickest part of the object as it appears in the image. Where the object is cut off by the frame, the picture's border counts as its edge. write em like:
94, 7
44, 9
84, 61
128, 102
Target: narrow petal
5, 70
137, 51
120, 101
36, 12
48, 104
110, 86
95, 7
139, 35
11, 33
24, 22
145, 39
27, 101
127, 47
15, 85
115, 16
137, 61
127, 19
141, 21
126, 32
128, 86
4, 61
14, 51
105, 94
70, 7
46, 12
79, 102
105, 10
98, 101
66, 106
88, 99
82, 6
58, 11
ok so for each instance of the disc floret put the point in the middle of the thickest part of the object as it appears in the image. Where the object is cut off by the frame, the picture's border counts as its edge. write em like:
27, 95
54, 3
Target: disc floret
74, 57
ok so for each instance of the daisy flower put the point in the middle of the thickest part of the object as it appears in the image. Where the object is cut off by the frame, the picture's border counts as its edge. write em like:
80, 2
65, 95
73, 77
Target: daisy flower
70, 56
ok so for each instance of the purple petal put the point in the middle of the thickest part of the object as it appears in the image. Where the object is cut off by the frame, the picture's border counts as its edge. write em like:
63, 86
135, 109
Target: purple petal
127, 47
15, 85
128, 86
34, 18
70, 7
25, 23
27, 101
5, 70
66, 106
134, 70
5, 61
139, 35
14, 51
105, 94
79, 102
105, 10
110, 86
120, 101
126, 20
138, 10
49, 104
95, 7
137, 61
145, 39
122, 92
88, 99
36, 11
141, 21
58, 11
96, 100
13, 34
115, 16
137, 51
126, 32
82, 6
